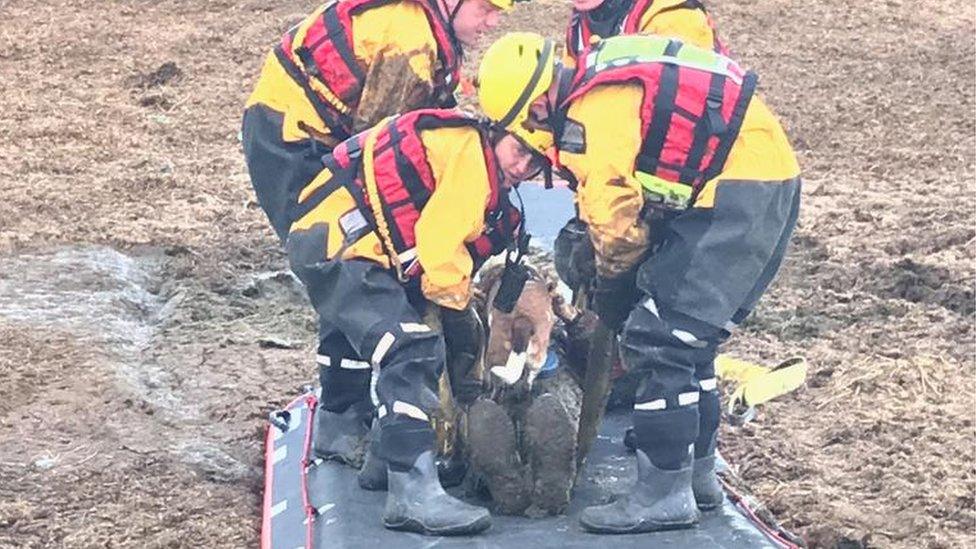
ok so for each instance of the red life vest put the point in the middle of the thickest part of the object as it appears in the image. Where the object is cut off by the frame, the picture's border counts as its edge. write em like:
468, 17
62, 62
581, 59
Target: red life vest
327, 55
693, 104
405, 182
628, 21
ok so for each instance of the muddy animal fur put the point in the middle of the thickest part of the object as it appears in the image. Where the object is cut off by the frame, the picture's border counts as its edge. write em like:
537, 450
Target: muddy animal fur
521, 436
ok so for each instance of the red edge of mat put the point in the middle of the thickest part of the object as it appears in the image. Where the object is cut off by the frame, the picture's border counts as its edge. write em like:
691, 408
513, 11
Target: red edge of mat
269, 477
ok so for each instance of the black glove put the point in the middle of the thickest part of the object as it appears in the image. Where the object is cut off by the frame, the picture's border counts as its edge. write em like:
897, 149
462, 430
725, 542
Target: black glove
464, 337
613, 298
574, 255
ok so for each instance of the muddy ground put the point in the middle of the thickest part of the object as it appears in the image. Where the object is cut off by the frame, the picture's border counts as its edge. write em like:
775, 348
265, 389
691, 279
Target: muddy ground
146, 327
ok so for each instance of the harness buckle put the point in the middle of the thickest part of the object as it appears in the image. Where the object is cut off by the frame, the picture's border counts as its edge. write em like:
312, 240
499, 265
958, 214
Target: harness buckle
353, 148
713, 110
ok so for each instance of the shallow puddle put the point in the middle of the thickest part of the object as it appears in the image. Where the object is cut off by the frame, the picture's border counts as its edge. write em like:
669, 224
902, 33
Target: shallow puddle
97, 293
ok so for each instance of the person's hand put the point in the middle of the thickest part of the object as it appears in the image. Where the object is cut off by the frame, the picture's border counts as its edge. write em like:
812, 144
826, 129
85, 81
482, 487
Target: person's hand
464, 337
612, 300
574, 255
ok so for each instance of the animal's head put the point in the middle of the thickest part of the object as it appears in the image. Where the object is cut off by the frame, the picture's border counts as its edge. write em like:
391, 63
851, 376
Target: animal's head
518, 342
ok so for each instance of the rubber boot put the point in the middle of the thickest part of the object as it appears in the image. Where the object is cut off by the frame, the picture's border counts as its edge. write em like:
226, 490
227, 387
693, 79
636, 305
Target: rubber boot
416, 502
704, 482
372, 475
659, 500
705, 485
341, 436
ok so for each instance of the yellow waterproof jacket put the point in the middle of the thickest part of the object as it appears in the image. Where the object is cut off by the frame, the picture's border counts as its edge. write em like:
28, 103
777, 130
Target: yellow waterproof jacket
393, 41
610, 197
670, 18
453, 216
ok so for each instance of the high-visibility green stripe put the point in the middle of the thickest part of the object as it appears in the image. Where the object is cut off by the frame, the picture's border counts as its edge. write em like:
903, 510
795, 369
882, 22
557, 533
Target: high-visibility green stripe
650, 49
665, 193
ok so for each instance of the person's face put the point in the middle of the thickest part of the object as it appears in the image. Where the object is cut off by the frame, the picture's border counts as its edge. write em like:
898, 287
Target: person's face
516, 160
473, 19
586, 5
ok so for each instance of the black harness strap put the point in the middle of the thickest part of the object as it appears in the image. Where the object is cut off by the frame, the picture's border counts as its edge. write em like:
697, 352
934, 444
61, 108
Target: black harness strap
341, 177
574, 36
336, 122
419, 194
711, 123
717, 164
341, 42
657, 132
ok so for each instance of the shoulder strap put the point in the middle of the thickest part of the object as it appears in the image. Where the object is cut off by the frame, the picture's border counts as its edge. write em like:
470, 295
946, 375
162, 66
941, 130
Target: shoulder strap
341, 39
449, 50
663, 110
336, 122
717, 164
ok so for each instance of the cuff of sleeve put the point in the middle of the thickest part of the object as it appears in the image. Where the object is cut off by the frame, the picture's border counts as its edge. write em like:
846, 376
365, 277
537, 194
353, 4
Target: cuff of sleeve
452, 297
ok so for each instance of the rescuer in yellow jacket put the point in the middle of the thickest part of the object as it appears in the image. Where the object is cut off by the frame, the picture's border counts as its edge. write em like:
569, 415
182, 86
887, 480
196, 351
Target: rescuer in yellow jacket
686, 20
389, 231
691, 191
346, 66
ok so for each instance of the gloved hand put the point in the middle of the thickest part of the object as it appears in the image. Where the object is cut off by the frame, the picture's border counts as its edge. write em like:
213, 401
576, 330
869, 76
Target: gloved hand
613, 298
574, 255
464, 337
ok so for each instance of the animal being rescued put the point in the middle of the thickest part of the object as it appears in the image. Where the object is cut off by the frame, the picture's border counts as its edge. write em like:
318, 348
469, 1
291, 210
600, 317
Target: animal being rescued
521, 435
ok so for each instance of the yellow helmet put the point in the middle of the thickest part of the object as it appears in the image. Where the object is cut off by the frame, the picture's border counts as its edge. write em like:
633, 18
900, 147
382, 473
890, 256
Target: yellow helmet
516, 70
503, 5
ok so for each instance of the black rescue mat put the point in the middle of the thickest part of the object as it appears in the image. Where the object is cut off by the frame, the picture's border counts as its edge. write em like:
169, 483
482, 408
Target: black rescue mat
325, 508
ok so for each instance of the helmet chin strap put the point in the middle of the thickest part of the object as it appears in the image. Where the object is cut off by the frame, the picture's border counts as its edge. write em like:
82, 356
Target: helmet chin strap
452, 13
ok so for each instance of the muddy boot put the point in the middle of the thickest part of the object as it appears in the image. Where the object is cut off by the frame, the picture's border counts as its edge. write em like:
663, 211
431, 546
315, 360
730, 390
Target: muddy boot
550, 436
494, 454
417, 502
372, 475
659, 500
341, 436
705, 485
704, 481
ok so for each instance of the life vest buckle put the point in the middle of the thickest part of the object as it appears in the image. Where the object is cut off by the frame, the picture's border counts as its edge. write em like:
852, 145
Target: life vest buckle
353, 148
713, 109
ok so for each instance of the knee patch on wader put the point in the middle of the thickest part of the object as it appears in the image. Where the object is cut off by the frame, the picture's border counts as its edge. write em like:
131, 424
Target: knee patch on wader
410, 358
345, 378
665, 352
